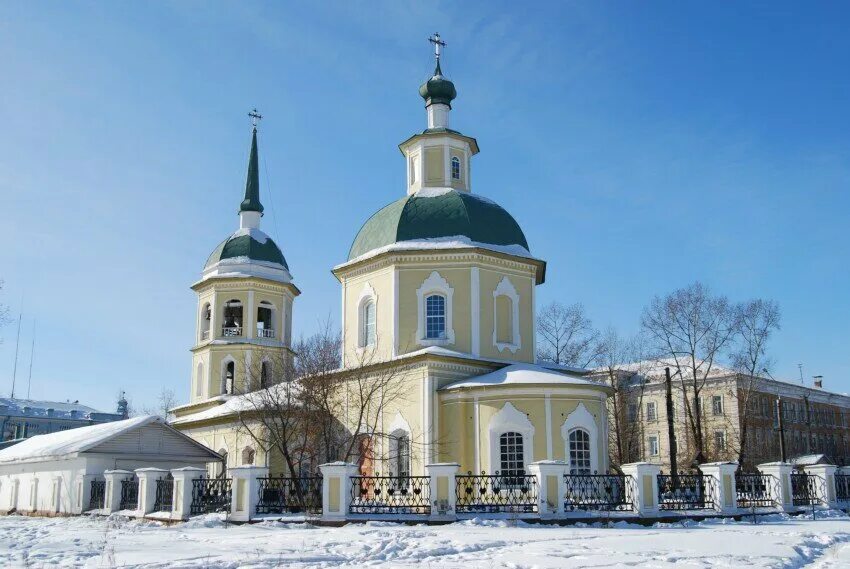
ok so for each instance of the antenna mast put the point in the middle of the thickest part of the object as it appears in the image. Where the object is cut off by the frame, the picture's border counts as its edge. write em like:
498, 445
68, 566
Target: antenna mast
32, 351
17, 345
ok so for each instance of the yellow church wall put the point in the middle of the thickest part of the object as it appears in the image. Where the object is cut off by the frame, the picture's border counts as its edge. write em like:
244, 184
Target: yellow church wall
489, 279
410, 280
381, 282
227, 437
434, 166
460, 155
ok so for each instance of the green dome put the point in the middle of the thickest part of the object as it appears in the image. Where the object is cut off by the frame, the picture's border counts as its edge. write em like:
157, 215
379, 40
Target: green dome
439, 213
248, 244
438, 89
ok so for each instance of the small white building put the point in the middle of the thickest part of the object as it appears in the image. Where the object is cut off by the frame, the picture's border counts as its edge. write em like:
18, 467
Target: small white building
53, 473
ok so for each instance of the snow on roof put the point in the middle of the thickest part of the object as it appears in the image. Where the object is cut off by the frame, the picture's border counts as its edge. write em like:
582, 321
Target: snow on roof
63, 443
58, 409
655, 368
440, 351
809, 459
523, 374
449, 242
240, 403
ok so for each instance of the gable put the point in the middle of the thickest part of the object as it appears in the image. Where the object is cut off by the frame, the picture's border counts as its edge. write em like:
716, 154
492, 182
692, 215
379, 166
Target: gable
154, 439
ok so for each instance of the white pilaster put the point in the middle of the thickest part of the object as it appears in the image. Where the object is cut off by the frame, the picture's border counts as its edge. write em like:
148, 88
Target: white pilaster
644, 481
182, 497
781, 492
336, 489
723, 474
548, 404
550, 486
826, 474
245, 491
113, 488
443, 490
475, 301
249, 320
147, 488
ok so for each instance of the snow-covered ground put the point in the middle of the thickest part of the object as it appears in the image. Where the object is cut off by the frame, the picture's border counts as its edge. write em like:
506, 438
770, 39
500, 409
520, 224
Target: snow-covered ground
777, 541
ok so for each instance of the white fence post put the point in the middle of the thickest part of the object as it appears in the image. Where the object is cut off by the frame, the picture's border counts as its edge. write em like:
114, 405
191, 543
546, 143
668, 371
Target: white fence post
644, 486
113, 488
147, 488
443, 490
181, 508
82, 491
781, 492
336, 489
826, 473
550, 486
723, 474
245, 491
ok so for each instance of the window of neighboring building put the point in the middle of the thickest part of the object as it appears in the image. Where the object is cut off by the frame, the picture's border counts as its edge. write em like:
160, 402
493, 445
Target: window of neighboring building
455, 168
653, 445
631, 412
720, 440
579, 452
368, 324
248, 456
717, 404
650, 411
435, 317
511, 454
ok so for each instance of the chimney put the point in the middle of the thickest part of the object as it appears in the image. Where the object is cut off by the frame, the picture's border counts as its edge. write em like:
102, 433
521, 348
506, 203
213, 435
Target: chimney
818, 381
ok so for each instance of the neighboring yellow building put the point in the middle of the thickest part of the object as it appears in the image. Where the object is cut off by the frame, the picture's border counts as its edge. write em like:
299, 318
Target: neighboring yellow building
439, 286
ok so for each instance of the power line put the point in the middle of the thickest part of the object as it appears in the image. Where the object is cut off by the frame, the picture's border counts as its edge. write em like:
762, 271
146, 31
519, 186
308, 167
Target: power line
32, 351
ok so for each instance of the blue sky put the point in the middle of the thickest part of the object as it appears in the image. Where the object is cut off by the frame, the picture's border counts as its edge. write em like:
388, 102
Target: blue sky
641, 146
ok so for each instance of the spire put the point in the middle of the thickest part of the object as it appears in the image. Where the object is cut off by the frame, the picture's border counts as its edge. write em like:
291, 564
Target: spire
250, 210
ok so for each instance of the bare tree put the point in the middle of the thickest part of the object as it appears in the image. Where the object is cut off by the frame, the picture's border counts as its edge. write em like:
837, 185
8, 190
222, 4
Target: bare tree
691, 328
566, 335
165, 402
756, 321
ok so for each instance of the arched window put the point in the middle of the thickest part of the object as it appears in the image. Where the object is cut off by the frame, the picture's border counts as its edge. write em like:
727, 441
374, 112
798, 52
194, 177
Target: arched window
511, 454
229, 377
206, 318
265, 320
435, 317
265, 374
399, 454
368, 334
199, 380
248, 455
506, 334
455, 168
504, 320
579, 452
232, 318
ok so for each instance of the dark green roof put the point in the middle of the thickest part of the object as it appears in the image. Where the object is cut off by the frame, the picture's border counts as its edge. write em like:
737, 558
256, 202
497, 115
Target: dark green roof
254, 245
446, 214
438, 89
252, 182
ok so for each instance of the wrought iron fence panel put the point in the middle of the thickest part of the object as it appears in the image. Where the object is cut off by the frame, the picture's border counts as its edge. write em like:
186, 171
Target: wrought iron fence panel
756, 490
842, 487
129, 494
164, 494
598, 492
97, 499
686, 492
390, 495
806, 489
494, 493
210, 495
278, 495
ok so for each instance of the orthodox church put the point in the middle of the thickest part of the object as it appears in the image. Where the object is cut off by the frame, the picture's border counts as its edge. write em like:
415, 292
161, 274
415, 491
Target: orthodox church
438, 285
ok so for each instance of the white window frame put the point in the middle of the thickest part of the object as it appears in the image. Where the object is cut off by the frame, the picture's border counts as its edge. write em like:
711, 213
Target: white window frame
452, 162
510, 419
590, 449
715, 398
506, 288
649, 444
367, 294
398, 428
434, 284
654, 407
223, 378
723, 437
581, 418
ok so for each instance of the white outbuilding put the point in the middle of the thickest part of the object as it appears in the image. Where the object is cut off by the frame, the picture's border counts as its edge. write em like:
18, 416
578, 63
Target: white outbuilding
53, 473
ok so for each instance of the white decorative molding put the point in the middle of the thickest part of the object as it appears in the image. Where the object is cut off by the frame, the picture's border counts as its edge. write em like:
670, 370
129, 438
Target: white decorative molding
399, 424
581, 418
222, 379
434, 284
475, 301
506, 288
510, 419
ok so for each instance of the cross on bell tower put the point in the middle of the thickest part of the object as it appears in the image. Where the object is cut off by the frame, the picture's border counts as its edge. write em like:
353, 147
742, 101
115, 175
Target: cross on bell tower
255, 118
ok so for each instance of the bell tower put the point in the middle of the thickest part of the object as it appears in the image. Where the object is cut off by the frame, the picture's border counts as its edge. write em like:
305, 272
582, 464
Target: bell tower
245, 302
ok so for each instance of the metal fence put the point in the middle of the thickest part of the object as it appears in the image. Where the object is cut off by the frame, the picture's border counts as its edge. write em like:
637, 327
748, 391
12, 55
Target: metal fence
129, 494
756, 490
842, 487
97, 499
278, 495
164, 494
210, 495
686, 492
598, 492
492, 493
390, 495
806, 489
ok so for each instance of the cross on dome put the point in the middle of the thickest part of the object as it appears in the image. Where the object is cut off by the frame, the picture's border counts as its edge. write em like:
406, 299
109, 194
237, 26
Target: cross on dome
438, 43
255, 117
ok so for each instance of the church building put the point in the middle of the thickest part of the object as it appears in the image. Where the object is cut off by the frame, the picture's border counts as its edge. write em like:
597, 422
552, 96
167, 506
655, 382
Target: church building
439, 285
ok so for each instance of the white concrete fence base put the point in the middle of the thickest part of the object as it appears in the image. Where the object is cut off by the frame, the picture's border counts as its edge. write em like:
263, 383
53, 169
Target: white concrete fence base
443, 490
645, 487
723, 474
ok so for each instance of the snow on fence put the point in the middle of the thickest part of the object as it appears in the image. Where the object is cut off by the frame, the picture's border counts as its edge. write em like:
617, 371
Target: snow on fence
598, 492
496, 493
281, 495
686, 491
390, 495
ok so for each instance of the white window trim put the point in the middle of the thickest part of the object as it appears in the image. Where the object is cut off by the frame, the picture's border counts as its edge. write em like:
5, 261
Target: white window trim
367, 293
657, 445
434, 284
398, 427
222, 379
510, 419
506, 288
581, 418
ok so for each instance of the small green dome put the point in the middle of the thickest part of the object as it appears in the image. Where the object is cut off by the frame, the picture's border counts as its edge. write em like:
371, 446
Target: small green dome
248, 244
438, 89
438, 213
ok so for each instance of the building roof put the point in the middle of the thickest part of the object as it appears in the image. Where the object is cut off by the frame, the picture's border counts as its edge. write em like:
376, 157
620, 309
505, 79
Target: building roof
252, 181
247, 245
50, 409
65, 443
438, 89
440, 214
525, 374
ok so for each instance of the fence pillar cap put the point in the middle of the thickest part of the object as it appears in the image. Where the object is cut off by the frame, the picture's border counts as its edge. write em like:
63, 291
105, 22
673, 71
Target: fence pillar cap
721, 463
247, 468
150, 469
778, 463
442, 464
117, 471
549, 462
634, 464
188, 469
337, 463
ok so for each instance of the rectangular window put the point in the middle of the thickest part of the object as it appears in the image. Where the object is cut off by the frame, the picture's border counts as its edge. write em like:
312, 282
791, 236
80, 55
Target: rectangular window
720, 440
717, 404
650, 411
653, 445
631, 413
512, 458
435, 317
